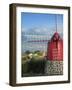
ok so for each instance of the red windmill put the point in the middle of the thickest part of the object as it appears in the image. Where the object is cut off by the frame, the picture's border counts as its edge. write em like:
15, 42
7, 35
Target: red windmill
55, 47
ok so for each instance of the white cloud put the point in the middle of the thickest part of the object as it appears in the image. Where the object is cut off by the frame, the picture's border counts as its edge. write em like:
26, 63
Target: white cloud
39, 33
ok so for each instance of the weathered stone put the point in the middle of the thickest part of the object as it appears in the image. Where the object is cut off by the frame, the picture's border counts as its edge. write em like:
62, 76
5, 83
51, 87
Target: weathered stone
54, 68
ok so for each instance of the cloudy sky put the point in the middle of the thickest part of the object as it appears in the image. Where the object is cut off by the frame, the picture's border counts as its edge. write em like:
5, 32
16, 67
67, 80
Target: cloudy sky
43, 26
41, 23
35, 26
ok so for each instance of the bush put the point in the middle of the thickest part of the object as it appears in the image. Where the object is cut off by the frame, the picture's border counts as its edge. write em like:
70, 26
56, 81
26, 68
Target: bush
36, 67
25, 67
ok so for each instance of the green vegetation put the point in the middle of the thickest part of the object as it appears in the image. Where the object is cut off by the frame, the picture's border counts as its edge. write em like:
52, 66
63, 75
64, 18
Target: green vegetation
27, 52
33, 67
36, 55
33, 63
36, 66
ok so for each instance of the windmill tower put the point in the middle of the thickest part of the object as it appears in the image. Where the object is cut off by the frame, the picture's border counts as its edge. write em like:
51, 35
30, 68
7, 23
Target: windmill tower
55, 46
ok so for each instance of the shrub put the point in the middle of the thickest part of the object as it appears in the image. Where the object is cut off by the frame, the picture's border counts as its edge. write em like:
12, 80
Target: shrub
24, 67
36, 66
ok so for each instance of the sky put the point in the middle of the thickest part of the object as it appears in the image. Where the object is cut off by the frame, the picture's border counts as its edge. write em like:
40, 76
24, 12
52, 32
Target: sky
35, 26
36, 22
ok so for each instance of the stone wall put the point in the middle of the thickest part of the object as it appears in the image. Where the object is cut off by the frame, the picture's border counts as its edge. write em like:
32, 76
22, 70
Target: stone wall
54, 68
